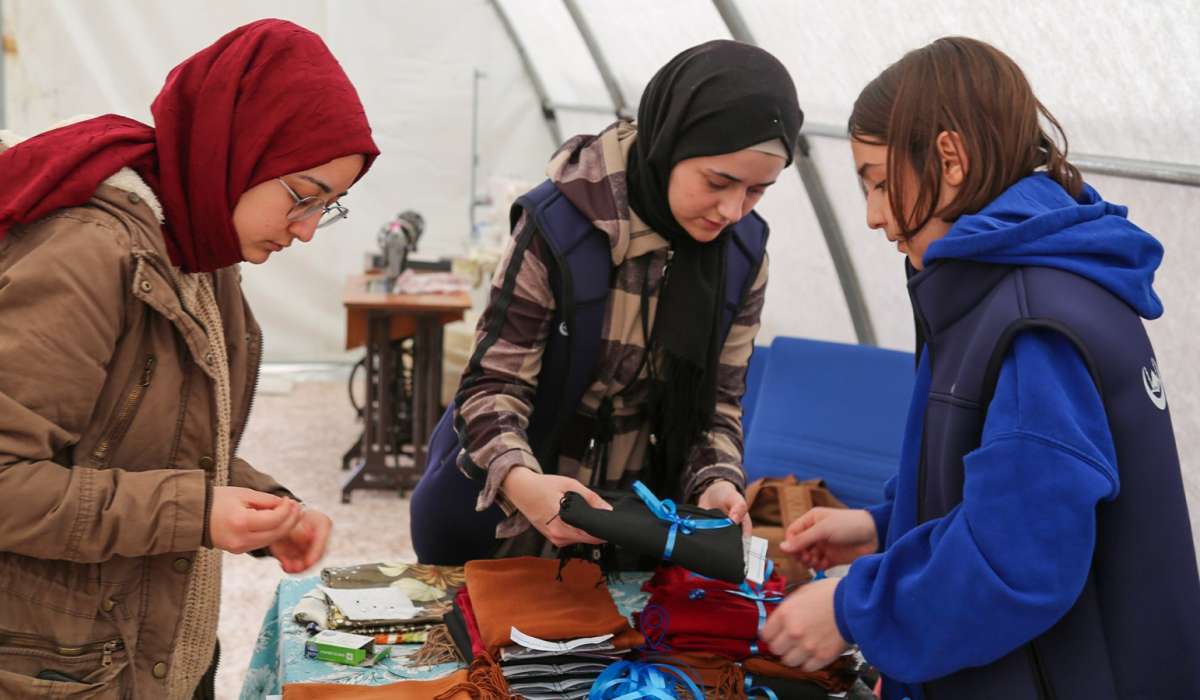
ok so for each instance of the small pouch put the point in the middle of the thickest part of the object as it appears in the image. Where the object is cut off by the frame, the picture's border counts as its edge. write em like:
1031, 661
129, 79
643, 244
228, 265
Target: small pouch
775, 503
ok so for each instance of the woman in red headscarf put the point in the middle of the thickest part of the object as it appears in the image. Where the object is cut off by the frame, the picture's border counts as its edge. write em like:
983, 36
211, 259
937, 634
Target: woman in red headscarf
128, 360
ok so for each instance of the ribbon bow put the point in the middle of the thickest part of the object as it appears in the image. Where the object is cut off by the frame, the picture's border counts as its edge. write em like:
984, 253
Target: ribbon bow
630, 680
667, 511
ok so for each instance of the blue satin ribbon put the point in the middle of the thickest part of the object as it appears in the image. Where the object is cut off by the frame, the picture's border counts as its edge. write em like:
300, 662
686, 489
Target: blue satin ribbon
760, 598
751, 689
666, 510
631, 680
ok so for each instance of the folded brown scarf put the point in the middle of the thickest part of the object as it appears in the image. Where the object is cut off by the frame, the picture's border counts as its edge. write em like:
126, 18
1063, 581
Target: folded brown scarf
528, 593
483, 681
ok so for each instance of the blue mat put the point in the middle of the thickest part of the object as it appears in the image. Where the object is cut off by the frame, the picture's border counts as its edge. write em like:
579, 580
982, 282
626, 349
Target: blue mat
828, 410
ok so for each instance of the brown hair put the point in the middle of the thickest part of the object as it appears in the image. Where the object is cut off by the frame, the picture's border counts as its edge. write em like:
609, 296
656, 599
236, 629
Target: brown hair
970, 88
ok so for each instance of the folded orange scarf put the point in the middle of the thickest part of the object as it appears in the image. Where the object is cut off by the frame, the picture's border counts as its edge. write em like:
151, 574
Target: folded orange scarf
483, 681
452, 687
837, 677
526, 593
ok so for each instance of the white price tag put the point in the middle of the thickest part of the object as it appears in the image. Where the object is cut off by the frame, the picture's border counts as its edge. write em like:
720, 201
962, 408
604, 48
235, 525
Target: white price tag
754, 553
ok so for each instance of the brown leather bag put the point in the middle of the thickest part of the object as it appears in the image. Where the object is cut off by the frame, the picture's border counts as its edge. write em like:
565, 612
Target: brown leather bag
774, 504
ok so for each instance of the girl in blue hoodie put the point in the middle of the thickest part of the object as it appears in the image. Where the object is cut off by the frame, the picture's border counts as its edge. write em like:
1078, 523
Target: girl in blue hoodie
1035, 542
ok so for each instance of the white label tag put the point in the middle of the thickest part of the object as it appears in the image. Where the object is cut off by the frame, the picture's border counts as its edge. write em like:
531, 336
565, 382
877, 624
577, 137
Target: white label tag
529, 642
754, 553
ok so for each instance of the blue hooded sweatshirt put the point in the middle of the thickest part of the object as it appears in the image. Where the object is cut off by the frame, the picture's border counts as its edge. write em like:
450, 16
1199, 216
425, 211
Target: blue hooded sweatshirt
1006, 564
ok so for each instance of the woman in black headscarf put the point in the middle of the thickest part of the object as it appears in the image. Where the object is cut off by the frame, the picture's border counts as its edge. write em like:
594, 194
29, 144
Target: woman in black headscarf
656, 215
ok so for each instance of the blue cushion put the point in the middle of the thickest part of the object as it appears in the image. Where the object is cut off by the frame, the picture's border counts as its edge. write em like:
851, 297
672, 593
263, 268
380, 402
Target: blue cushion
754, 374
831, 411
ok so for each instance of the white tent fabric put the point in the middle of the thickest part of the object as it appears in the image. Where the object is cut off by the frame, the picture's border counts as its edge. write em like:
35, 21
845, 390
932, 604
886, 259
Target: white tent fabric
412, 64
1119, 76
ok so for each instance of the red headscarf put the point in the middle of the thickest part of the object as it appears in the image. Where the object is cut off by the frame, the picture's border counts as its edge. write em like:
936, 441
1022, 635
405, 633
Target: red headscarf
265, 100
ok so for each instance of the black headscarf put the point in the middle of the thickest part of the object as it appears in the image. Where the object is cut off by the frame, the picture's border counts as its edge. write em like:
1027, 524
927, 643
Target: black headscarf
715, 98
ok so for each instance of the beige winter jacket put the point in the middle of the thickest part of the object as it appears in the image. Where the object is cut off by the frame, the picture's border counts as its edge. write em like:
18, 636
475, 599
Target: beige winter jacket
120, 407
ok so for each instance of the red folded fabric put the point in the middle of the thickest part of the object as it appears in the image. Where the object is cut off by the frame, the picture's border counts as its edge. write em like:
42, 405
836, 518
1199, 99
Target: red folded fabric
703, 614
463, 600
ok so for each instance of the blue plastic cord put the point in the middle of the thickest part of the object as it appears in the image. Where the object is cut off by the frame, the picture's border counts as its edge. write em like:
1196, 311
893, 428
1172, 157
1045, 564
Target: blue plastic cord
752, 689
631, 680
667, 510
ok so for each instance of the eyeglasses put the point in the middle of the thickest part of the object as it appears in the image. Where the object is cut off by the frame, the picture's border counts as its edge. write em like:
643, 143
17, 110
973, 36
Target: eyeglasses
308, 207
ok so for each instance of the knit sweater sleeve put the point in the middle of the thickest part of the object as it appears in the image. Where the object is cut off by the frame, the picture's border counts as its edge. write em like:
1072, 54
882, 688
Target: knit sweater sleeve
1009, 561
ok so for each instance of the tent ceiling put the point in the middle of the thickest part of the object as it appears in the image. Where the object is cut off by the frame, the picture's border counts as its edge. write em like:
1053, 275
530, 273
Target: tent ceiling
1119, 76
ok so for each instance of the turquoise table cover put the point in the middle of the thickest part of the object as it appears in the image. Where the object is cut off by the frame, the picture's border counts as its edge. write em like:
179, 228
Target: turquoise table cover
279, 651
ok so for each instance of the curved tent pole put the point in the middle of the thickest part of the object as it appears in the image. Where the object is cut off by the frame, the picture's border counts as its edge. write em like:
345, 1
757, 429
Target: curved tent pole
593, 47
539, 88
864, 330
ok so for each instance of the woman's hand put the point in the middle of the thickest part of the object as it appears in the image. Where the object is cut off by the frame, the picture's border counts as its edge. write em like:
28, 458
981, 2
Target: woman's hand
825, 537
303, 545
724, 496
537, 496
242, 520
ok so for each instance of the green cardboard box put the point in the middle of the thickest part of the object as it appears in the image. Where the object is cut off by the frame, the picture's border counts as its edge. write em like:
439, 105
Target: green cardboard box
340, 647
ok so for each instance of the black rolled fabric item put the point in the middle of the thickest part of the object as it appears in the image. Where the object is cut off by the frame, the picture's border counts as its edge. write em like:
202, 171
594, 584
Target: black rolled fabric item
457, 627
716, 552
786, 689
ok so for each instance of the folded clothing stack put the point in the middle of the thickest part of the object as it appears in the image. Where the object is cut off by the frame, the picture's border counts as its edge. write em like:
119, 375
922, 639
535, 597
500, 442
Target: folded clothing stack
700, 614
712, 628
553, 629
428, 589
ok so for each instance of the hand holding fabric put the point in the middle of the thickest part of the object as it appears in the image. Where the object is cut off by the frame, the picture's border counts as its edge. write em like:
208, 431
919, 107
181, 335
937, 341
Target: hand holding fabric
538, 496
825, 537
803, 631
242, 520
723, 496
303, 545
704, 541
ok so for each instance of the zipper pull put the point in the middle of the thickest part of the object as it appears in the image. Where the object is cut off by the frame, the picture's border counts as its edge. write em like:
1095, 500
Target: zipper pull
148, 371
109, 647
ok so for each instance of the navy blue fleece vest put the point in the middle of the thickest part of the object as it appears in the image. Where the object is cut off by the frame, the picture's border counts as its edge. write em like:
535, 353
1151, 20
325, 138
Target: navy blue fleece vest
583, 259
1135, 630
581, 278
